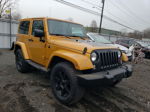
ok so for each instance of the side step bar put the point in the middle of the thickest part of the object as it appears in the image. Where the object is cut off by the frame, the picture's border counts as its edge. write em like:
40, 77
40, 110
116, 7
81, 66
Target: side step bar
37, 65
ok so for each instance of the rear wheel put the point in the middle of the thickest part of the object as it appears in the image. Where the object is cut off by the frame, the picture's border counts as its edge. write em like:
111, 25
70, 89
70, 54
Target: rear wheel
64, 84
21, 65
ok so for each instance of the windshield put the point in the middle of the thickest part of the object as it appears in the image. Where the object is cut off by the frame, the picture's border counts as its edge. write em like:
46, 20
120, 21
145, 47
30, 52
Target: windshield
56, 27
143, 44
99, 38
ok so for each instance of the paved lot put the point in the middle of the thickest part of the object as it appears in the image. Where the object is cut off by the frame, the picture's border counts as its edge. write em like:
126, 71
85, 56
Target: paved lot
32, 93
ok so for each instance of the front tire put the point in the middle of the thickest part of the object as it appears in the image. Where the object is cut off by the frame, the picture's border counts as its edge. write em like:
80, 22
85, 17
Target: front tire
64, 84
21, 65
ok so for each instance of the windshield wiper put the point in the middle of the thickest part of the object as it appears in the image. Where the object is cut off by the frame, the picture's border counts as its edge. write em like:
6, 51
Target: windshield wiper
61, 35
107, 43
68, 36
77, 36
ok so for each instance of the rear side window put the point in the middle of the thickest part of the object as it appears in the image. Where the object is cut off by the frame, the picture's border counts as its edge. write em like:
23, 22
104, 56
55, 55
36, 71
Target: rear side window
24, 27
37, 24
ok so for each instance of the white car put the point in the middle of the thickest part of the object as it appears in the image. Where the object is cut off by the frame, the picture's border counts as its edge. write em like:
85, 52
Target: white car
101, 39
146, 45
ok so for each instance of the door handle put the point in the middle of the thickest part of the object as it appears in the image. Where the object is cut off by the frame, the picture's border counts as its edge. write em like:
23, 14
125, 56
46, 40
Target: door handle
30, 40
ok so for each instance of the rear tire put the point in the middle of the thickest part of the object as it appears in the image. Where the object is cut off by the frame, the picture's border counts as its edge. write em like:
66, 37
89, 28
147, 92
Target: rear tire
64, 84
21, 65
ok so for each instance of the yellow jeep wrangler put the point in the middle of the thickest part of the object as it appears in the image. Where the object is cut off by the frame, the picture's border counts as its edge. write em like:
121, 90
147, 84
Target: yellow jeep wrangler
73, 61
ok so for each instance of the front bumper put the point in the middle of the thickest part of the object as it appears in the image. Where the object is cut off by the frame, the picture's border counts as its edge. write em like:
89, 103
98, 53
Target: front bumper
105, 78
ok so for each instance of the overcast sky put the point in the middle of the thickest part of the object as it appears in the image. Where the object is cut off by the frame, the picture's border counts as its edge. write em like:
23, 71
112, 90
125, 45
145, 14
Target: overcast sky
132, 13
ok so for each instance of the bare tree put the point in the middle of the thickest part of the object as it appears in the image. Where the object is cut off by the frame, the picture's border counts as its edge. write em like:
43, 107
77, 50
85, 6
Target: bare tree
124, 32
5, 4
136, 35
140, 35
93, 26
147, 33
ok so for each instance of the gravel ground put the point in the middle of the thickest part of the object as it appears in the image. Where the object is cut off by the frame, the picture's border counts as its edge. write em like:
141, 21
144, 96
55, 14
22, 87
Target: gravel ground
32, 92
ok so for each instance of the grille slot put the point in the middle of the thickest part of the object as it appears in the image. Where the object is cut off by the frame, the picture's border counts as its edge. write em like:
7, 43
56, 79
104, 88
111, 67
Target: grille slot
107, 59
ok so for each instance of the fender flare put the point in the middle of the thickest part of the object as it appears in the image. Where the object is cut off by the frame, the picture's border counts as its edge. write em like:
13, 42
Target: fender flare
23, 49
80, 61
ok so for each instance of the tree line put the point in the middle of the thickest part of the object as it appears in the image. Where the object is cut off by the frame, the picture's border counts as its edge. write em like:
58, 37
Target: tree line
5, 6
135, 34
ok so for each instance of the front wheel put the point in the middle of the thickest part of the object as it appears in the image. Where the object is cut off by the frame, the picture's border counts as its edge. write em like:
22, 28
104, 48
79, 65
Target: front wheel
21, 65
64, 84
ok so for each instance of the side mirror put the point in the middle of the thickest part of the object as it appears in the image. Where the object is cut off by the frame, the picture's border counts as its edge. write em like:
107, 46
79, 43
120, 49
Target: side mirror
38, 33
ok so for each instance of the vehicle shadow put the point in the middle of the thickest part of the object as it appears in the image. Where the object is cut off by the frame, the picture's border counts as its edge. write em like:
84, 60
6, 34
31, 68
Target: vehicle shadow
94, 100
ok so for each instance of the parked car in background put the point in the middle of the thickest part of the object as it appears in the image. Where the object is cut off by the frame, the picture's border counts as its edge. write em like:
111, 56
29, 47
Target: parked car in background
129, 42
101, 39
146, 47
143, 44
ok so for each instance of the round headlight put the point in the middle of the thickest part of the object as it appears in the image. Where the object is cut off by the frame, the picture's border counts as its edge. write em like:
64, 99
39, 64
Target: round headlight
94, 57
119, 54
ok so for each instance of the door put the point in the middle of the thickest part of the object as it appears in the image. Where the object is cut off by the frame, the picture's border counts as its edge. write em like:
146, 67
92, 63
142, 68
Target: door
37, 47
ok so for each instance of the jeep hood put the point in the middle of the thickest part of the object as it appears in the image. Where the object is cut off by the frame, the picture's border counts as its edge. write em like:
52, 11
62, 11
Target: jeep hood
78, 44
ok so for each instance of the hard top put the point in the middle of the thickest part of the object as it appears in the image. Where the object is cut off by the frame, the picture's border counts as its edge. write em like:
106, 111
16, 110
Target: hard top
46, 18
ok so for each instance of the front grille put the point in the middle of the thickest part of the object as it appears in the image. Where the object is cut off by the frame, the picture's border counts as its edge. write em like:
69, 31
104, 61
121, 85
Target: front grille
108, 59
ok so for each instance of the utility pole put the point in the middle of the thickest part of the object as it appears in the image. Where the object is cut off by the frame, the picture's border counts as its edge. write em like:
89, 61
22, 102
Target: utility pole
10, 27
100, 26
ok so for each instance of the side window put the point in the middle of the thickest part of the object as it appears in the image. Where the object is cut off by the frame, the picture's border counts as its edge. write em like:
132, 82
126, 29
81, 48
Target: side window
37, 24
24, 27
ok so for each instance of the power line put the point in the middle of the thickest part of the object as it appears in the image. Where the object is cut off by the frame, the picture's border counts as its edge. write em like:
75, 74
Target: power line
115, 16
99, 8
90, 3
78, 7
92, 12
127, 8
119, 23
125, 11
119, 8
112, 15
